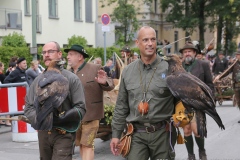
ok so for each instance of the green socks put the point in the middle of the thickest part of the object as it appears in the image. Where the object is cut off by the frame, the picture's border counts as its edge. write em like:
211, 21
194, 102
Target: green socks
189, 144
200, 143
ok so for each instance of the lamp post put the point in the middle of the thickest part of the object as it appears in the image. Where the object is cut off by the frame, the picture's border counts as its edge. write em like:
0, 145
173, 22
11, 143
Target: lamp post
33, 49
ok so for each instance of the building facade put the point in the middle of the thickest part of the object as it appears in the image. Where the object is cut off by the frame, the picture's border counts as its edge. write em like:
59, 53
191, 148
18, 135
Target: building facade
57, 20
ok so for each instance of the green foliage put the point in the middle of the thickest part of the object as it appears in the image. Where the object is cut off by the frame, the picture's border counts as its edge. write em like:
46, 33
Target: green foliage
108, 113
14, 40
7, 52
77, 40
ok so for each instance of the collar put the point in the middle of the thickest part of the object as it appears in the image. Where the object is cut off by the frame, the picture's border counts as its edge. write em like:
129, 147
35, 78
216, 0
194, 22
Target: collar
80, 67
152, 65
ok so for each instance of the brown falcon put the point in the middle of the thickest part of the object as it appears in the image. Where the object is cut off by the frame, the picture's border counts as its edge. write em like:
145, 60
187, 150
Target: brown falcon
52, 90
194, 94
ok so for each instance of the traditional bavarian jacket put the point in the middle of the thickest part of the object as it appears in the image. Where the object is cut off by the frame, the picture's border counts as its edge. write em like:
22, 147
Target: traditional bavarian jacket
235, 70
136, 79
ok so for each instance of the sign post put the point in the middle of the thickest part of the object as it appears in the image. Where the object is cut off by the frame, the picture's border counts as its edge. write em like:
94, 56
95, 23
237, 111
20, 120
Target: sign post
105, 19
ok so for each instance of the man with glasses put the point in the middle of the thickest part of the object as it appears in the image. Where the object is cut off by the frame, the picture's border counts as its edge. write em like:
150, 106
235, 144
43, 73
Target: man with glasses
57, 144
95, 81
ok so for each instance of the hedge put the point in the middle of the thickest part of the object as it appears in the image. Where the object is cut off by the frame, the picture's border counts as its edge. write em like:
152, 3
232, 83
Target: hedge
7, 52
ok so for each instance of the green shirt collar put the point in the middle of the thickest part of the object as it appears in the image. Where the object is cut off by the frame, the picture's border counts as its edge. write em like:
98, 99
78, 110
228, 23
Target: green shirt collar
152, 65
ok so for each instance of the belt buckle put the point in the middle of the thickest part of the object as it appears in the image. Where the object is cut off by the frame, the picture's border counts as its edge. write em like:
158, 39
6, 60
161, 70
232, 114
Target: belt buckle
151, 127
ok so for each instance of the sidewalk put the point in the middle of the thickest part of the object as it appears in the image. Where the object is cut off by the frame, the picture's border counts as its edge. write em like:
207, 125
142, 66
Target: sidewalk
4, 129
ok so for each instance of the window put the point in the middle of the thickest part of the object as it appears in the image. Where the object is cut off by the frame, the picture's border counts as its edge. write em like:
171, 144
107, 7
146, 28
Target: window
53, 9
77, 10
26, 7
88, 10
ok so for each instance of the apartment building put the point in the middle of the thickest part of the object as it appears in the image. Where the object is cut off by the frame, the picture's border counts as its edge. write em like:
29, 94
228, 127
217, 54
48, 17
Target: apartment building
57, 20
153, 16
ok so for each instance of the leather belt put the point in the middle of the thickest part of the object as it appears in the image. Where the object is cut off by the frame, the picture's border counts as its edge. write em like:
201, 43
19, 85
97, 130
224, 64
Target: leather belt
148, 127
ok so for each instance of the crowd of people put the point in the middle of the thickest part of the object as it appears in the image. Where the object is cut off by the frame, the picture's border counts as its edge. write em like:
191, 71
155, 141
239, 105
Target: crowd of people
143, 80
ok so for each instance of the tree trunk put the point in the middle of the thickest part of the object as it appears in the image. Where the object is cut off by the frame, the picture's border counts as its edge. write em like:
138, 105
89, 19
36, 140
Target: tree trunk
219, 33
201, 23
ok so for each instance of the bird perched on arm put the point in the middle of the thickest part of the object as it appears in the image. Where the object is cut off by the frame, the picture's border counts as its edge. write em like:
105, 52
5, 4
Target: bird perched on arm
194, 94
52, 90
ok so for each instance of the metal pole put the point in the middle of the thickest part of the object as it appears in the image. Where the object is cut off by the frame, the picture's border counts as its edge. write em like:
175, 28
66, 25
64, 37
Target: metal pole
34, 26
104, 34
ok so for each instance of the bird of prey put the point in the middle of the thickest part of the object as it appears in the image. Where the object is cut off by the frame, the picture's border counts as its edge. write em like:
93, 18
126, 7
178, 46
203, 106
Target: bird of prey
194, 94
52, 90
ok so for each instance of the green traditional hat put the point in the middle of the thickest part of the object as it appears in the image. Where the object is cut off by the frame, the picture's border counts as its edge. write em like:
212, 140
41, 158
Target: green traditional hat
188, 45
79, 49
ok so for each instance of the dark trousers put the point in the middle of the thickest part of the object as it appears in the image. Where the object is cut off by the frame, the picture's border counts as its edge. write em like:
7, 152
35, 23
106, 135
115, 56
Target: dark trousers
154, 145
55, 146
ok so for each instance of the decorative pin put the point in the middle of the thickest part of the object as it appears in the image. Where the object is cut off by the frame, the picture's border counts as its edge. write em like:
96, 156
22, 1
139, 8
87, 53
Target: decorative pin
82, 75
163, 75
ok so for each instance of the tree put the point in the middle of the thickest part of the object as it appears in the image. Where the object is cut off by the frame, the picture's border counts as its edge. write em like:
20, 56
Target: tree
187, 14
14, 40
125, 14
226, 15
77, 40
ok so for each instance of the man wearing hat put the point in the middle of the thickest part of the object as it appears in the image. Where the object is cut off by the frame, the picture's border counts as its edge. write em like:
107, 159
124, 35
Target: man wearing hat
95, 81
234, 68
200, 69
18, 75
126, 52
220, 64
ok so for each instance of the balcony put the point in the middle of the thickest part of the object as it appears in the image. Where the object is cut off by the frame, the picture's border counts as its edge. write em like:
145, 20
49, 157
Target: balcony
10, 19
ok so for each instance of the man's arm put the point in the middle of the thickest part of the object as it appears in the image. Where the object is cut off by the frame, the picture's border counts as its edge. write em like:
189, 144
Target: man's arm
208, 76
10, 78
77, 95
121, 110
29, 109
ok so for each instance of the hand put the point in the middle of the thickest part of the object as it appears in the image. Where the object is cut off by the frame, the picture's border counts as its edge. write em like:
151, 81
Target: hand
113, 145
101, 77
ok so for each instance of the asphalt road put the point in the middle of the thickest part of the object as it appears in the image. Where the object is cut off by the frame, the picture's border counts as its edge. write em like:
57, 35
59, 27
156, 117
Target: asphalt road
220, 144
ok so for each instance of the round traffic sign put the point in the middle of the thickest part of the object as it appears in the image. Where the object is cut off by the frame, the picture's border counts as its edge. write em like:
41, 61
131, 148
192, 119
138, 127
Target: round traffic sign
105, 18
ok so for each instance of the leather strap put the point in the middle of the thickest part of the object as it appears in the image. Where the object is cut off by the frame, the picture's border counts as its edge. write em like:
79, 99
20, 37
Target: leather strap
151, 128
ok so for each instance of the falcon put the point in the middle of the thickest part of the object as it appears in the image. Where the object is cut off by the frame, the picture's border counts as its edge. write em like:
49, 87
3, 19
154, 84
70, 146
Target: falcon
52, 90
194, 94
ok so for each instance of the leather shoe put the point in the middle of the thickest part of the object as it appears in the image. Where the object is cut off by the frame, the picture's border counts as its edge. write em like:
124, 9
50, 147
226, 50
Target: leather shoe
238, 121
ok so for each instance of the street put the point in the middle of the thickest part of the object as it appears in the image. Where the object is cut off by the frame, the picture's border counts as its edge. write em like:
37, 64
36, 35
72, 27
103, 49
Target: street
220, 145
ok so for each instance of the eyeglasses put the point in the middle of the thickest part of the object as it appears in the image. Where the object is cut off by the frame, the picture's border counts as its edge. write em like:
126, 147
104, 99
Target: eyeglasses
49, 52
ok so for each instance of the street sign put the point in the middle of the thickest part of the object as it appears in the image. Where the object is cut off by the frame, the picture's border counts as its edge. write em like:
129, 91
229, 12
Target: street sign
105, 18
105, 28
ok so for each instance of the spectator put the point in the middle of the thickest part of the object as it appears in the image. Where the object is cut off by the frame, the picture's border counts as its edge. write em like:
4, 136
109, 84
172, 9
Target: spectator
32, 72
2, 76
40, 67
135, 56
11, 67
18, 75
107, 67
168, 46
98, 60
220, 64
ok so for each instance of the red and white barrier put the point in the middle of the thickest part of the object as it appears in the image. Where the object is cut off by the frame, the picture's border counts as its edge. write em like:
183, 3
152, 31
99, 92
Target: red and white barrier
23, 132
12, 99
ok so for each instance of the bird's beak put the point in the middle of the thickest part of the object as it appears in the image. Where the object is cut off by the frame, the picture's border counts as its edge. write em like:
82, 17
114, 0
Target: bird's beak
165, 58
61, 62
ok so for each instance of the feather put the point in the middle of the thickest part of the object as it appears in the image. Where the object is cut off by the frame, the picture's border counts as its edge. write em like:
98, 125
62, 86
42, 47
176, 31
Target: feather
52, 90
194, 93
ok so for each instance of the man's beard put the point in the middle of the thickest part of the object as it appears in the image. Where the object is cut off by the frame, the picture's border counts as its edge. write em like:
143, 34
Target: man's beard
189, 60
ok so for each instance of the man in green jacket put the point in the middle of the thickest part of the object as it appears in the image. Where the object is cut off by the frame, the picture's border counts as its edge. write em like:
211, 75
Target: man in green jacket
57, 143
144, 80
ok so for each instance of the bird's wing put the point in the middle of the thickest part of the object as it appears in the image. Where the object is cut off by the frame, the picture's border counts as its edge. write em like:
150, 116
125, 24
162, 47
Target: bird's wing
52, 90
194, 94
